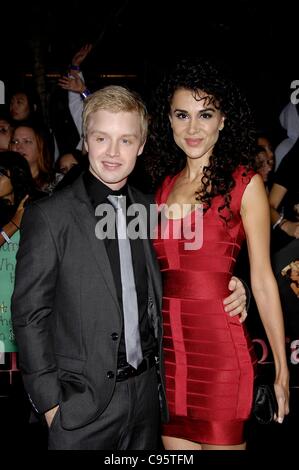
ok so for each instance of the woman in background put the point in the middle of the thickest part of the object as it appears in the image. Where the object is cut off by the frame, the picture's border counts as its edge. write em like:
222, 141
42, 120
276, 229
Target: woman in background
16, 187
30, 142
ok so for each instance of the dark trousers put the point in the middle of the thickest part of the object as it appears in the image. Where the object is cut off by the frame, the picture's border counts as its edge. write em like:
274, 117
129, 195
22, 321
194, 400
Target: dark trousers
130, 421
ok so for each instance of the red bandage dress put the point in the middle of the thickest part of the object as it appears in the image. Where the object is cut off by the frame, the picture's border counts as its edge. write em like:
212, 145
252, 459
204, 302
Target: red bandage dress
209, 359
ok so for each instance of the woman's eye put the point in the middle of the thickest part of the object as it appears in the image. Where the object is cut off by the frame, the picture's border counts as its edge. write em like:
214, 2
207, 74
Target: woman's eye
181, 115
206, 115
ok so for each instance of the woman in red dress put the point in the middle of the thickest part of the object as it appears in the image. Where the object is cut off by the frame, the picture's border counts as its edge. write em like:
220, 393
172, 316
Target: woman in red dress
204, 145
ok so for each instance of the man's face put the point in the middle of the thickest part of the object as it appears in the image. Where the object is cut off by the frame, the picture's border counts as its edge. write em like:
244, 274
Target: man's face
113, 142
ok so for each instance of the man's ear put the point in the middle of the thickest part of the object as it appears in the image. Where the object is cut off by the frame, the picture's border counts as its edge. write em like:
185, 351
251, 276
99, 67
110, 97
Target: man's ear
140, 150
85, 144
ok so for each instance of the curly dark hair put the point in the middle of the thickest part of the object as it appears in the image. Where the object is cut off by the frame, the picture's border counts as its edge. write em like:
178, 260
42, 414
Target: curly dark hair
16, 167
236, 143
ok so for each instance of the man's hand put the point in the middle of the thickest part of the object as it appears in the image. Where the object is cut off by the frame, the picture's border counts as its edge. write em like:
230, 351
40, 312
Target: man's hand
235, 304
49, 415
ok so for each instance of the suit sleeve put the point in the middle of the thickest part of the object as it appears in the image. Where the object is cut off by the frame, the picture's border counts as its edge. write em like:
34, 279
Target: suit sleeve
32, 306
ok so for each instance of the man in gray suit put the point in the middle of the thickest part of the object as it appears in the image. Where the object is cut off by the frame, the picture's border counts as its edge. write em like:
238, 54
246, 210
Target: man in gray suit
68, 303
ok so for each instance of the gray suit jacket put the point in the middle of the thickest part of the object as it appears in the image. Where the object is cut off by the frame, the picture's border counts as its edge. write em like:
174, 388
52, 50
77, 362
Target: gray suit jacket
65, 309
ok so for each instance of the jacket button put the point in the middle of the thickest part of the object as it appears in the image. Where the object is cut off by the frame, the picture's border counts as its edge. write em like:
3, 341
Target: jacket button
110, 374
114, 336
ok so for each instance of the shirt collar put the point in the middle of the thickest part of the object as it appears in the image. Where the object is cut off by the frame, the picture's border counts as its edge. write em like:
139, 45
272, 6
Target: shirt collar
98, 191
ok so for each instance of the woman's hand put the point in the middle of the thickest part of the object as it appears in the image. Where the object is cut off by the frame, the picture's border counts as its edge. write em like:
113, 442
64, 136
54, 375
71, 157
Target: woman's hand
73, 82
17, 218
282, 397
81, 54
50, 415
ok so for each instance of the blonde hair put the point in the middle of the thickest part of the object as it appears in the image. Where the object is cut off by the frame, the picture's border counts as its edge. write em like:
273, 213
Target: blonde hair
116, 99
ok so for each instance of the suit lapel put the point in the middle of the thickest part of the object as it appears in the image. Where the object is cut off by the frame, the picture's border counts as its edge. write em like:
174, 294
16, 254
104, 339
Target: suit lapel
84, 216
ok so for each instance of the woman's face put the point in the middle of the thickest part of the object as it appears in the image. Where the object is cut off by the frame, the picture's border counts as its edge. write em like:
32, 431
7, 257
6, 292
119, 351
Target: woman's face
264, 165
5, 134
264, 142
19, 107
6, 189
265, 158
66, 162
24, 141
195, 124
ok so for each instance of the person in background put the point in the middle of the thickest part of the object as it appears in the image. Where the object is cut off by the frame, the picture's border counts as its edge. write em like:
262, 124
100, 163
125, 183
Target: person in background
25, 108
264, 159
74, 83
16, 188
284, 200
6, 130
67, 161
202, 149
68, 167
292, 273
30, 142
289, 121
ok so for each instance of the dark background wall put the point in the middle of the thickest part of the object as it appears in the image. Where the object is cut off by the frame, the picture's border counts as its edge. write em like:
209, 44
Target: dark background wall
255, 39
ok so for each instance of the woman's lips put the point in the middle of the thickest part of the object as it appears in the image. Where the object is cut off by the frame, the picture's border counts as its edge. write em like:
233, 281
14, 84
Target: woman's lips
193, 142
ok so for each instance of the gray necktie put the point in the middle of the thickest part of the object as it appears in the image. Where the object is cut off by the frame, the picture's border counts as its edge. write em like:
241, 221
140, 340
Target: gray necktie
129, 296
